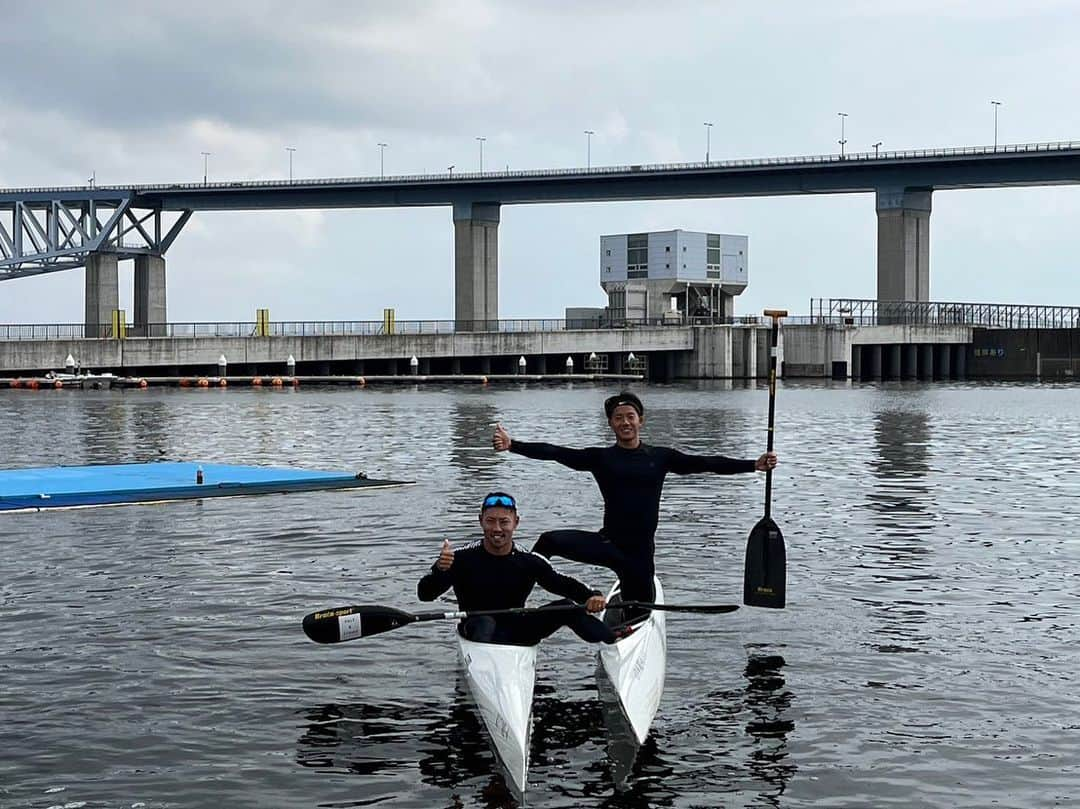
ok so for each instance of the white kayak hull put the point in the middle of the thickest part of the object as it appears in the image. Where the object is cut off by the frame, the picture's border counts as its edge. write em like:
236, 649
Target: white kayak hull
501, 680
636, 667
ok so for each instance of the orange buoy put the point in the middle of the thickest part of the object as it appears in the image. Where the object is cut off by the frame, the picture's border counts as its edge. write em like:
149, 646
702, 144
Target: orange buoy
256, 381
276, 382
33, 384
361, 381
483, 380
16, 383
143, 383
203, 382
58, 384
223, 382
295, 382
185, 382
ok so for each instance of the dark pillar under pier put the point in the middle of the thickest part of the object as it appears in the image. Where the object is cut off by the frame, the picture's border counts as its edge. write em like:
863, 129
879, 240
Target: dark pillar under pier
926, 362
875, 362
961, 361
541, 364
856, 362
892, 366
942, 361
909, 366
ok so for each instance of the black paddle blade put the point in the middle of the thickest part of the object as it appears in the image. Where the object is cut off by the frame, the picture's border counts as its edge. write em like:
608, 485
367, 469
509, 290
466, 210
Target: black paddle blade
346, 623
765, 574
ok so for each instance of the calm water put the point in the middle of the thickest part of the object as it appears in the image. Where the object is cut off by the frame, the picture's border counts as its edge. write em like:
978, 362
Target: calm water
151, 656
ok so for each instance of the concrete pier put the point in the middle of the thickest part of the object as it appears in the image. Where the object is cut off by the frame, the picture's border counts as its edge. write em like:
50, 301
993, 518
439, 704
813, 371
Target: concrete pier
903, 245
150, 311
102, 293
476, 265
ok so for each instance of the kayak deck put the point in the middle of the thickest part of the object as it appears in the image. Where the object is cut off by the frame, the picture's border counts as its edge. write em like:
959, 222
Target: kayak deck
636, 665
39, 488
501, 680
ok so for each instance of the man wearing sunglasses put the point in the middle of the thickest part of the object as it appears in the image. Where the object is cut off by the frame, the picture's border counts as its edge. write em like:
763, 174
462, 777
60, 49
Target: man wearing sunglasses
630, 475
495, 574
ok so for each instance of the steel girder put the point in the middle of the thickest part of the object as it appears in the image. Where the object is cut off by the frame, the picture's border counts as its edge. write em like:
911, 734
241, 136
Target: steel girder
42, 235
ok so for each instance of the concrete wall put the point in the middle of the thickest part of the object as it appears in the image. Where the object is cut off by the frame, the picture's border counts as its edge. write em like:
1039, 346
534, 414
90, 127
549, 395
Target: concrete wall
43, 355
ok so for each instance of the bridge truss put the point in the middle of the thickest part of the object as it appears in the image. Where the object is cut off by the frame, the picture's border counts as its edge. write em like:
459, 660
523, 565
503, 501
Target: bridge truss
42, 232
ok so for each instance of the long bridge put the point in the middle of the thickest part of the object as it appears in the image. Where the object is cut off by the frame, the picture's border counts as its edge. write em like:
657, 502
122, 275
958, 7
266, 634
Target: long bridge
52, 229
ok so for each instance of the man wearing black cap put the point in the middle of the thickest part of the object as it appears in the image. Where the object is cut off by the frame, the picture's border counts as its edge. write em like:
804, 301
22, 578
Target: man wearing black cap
630, 475
495, 574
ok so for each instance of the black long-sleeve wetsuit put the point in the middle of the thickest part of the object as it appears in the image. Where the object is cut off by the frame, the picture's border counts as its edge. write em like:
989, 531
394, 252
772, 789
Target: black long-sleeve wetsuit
484, 581
631, 482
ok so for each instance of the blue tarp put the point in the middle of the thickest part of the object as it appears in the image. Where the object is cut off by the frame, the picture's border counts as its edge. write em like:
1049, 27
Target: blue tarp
70, 486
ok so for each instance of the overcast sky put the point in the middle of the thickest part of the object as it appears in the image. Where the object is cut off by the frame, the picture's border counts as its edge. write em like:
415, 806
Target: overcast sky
135, 91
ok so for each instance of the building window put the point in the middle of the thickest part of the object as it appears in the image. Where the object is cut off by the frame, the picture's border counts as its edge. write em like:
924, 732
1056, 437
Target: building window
667, 266
609, 269
637, 253
712, 250
667, 248
608, 252
712, 273
637, 273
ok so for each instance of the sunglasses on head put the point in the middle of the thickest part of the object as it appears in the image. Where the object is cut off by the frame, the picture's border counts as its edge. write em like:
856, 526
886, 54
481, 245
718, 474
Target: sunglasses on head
499, 500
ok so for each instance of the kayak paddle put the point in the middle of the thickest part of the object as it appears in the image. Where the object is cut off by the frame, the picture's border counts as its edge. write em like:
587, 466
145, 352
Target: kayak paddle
347, 623
765, 571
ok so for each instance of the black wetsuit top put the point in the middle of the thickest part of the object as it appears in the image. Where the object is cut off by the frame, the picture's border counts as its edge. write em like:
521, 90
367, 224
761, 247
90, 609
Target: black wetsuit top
631, 481
484, 581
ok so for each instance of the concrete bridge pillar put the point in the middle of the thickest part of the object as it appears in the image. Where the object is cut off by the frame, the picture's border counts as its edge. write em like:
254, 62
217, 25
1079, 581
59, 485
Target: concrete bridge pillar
150, 314
476, 266
903, 244
102, 293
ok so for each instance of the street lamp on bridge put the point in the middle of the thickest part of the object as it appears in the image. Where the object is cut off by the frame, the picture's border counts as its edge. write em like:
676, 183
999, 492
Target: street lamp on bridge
876, 147
382, 155
843, 140
708, 140
996, 105
450, 169
290, 150
588, 148
205, 158
481, 140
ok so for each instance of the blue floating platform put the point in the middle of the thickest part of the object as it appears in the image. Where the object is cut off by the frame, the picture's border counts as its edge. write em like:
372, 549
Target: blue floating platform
40, 488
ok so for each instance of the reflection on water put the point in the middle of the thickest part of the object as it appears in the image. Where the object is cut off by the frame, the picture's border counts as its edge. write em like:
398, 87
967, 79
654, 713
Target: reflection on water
769, 701
472, 421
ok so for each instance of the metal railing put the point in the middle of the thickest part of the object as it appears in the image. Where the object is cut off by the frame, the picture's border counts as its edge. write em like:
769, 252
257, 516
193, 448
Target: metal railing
865, 312
792, 160
342, 328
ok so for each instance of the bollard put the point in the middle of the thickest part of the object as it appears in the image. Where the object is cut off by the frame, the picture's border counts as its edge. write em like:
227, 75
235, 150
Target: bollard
569, 365
69, 364
222, 366
290, 366
631, 358
521, 365
414, 365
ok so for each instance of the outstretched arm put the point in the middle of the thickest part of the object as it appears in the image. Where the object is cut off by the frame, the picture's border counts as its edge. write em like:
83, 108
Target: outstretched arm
682, 463
583, 460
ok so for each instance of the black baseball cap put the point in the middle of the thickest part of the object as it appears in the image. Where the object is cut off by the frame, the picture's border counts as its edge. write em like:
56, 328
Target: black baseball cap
624, 398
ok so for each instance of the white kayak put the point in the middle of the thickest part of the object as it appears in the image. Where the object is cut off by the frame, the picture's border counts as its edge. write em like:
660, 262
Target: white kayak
501, 679
636, 665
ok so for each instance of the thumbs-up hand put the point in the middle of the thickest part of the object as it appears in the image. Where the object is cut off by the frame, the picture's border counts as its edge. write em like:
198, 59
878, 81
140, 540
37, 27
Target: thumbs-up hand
501, 440
446, 556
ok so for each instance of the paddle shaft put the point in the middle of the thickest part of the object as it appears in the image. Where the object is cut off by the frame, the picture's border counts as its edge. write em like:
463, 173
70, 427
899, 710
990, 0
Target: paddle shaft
773, 340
